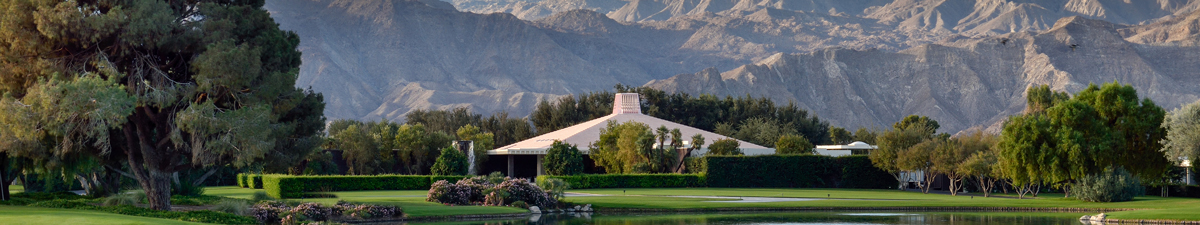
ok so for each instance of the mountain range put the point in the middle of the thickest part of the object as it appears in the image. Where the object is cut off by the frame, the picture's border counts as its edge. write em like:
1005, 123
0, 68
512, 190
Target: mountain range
856, 63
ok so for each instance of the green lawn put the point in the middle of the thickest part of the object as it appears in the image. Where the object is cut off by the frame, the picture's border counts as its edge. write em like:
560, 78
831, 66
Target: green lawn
37, 215
13, 189
411, 201
1158, 207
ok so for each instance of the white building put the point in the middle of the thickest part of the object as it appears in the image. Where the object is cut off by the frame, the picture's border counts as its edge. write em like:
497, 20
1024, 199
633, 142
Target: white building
626, 107
856, 148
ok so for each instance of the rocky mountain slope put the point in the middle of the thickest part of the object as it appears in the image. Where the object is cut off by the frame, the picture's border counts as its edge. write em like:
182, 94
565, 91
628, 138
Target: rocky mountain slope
960, 82
850, 61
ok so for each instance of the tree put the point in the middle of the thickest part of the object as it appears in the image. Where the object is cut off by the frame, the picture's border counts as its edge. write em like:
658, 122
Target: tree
697, 143
1183, 133
450, 163
951, 158
563, 159
866, 136
914, 120
840, 136
893, 144
622, 146
360, 151
793, 144
1136, 127
981, 166
920, 159
173, 86
482, 142
419, 148
724, 147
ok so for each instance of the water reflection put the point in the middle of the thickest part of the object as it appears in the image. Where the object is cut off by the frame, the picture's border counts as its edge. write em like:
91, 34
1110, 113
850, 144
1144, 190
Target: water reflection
790, 218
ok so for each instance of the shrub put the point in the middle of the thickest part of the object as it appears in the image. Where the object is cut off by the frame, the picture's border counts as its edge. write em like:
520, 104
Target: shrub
241, 181
369, 211
521, 189
259, 196
554, 187
724, 147
796, 171
288, 186
450, 162
446, 193
1112, 185
233, 206
563, 159
588, 181
128, 198
858, 172
695, 164
479, 190
255, 180
312, 211
793, 144
520, 204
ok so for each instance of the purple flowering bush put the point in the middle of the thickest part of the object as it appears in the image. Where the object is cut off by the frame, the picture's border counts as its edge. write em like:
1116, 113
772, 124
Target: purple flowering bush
481, 190
272, 212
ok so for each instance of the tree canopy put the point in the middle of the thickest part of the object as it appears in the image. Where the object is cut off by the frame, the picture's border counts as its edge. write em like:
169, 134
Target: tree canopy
162, 87
1183, 133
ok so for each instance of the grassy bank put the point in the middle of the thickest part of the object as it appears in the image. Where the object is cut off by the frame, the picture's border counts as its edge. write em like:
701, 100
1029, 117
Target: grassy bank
16, 189
412, 201
659, 198
37, 215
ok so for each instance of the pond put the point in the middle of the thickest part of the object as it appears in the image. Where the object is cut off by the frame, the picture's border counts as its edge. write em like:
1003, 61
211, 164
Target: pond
794, 218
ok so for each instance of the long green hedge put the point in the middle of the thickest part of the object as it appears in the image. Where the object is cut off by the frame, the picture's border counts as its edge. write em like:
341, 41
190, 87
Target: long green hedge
795, 171
631, 180
290, 186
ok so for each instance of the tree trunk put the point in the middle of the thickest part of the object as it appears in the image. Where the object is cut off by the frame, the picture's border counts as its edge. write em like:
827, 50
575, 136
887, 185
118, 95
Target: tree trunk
158, 190
4, 179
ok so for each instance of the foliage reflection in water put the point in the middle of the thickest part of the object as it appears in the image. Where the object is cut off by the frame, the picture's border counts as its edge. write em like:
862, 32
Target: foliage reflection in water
793, 218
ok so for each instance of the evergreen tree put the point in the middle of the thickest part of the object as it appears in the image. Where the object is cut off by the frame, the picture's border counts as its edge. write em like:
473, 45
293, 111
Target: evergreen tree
171, 86
450, 163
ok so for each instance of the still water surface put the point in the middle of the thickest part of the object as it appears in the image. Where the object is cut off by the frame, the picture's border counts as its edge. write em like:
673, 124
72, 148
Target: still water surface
794, 218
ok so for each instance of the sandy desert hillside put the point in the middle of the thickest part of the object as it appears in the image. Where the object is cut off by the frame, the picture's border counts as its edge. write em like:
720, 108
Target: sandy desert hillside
856, 63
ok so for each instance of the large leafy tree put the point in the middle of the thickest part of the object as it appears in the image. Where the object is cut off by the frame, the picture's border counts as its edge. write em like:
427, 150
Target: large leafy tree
1183, 133
170, 85
895, 143
563, 159
1136, 126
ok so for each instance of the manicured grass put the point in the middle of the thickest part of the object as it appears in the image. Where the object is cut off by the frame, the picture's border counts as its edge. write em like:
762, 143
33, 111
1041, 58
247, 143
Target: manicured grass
411, 201
37, 215
13, 189
1163, 208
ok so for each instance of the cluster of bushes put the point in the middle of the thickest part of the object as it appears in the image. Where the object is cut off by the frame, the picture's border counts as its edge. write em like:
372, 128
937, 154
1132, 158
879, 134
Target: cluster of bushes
491, 191
1112, 185
275, 212
795, 171
289, 186
630, 180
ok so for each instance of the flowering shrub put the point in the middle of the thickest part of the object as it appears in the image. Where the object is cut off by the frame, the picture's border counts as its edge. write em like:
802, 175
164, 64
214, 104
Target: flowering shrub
368, 211
447, 193
481, 190
522, 190
271, 212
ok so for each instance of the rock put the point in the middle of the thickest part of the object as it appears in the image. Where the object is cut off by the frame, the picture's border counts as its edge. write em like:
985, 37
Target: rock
578, 207
587, 208
1099, 217
571, 210
1085, 218
535, 210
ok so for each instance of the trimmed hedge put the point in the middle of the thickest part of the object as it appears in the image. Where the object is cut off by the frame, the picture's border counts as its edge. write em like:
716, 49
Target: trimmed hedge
631, 180
241, 180
794, 171
289, 186
255, 180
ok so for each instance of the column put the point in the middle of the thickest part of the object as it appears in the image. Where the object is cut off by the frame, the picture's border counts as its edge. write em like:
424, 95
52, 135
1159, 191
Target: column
510, 166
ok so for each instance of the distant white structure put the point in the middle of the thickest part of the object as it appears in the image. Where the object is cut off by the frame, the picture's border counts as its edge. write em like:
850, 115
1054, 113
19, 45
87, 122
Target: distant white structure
626, 107
845, 150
